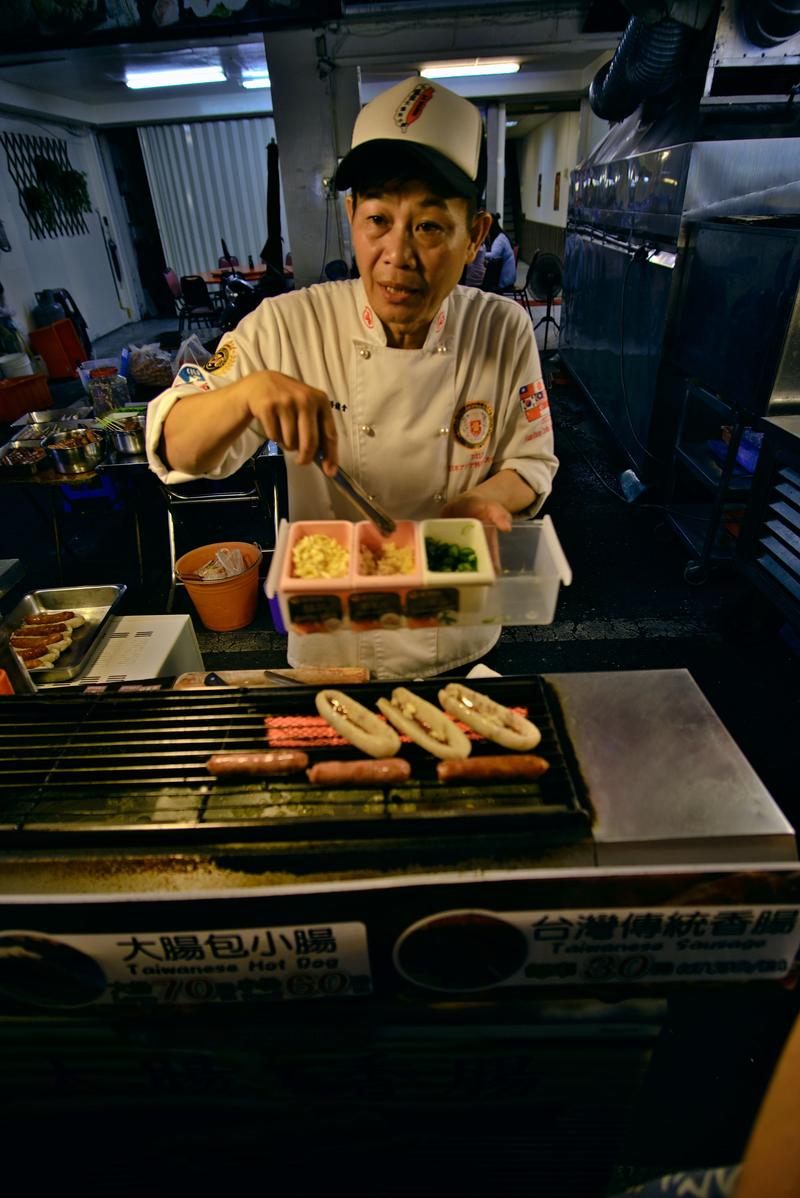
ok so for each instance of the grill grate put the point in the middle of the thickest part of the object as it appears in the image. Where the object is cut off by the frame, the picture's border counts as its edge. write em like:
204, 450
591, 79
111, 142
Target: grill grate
77, 764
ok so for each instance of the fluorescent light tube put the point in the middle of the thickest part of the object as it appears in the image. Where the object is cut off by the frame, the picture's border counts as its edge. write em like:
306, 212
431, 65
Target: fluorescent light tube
175, 77
462, 70
255, 79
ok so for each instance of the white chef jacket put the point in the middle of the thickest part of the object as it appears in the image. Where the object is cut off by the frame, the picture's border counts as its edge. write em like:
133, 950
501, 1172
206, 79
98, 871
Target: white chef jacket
416, 428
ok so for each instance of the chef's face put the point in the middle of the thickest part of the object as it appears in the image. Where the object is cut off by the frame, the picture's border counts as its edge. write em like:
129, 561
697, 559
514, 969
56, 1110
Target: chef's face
411, 246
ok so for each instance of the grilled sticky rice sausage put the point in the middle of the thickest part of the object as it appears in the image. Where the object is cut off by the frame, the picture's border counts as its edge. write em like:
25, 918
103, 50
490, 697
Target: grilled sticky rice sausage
58, 639
259, 765
56, 617
367, 731
425, 724
492, 720
42, 629
521, 767
37, 656
346, 773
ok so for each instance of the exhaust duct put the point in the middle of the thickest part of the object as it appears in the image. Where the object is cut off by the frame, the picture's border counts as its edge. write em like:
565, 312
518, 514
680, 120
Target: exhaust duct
648, 61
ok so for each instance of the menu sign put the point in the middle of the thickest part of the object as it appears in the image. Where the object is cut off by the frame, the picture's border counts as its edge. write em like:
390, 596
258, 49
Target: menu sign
168, 968
482, 950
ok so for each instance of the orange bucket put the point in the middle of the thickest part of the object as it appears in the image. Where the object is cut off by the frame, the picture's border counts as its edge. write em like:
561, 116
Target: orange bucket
223, 604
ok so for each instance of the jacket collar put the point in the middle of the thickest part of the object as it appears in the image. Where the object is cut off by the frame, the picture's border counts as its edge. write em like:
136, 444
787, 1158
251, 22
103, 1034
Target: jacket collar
373, 331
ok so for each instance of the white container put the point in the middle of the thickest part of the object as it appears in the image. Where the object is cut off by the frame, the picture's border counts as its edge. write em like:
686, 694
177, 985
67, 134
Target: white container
14, 366
518, 582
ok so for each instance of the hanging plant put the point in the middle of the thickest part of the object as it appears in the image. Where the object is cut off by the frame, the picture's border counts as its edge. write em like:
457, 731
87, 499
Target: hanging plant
48, 171
39, 204
73, 191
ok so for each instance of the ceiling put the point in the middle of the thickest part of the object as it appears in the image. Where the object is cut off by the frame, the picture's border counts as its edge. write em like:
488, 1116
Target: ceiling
558, 45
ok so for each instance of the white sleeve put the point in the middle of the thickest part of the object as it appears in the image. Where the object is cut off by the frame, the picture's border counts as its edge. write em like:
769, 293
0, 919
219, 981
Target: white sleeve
525, 436
232, 359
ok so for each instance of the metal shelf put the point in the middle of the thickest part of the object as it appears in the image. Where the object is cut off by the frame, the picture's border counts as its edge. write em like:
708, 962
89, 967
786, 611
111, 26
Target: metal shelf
704, 466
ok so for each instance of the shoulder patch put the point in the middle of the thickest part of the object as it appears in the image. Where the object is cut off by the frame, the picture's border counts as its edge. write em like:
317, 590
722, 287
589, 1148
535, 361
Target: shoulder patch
224, 358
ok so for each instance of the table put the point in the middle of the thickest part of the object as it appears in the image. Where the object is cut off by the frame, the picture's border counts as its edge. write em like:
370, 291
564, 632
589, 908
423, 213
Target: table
215, 277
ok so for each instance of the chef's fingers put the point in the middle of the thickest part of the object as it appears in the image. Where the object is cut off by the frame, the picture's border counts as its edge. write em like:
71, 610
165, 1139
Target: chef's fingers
328, 442
287, 419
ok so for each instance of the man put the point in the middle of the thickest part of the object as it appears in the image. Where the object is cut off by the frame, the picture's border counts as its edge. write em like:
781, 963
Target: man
416, 386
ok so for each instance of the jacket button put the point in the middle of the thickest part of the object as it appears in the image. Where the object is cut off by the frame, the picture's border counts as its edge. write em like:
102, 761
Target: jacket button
443, 432
439, 497
441, 349
364, 353
368, 430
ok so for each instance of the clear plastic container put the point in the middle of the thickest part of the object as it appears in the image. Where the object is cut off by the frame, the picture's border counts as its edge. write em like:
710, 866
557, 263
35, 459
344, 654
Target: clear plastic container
518, 580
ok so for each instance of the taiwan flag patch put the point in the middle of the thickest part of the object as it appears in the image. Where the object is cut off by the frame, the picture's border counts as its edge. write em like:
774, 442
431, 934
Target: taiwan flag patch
533, 400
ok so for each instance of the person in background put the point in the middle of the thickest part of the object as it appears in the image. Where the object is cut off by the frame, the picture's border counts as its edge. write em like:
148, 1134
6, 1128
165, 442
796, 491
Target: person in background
474, 271
428, 394
500, 247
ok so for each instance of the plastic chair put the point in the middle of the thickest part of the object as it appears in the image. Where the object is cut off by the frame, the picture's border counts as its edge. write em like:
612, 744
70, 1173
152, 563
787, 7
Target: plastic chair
174, 284
199, 304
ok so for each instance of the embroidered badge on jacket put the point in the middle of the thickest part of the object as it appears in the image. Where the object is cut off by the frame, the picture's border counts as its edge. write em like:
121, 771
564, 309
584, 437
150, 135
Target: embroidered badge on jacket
224, 357
367, 317
194, 375
533, 400
473, 425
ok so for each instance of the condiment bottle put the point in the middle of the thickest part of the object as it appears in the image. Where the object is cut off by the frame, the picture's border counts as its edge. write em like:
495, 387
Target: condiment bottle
108, 390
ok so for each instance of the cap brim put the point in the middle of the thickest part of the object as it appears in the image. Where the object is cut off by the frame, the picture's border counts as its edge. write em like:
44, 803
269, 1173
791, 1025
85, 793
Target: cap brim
456, 181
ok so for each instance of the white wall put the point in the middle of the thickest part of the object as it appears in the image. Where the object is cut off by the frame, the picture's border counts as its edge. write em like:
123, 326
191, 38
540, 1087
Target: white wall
549, 148
77, 263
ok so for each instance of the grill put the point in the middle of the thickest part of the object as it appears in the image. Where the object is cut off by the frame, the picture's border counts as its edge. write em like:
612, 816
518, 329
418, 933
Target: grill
132, 766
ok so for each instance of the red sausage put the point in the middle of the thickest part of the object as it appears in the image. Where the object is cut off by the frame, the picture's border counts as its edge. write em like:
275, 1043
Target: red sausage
374, 770
34, 641
260, 765
30, 654
520, 766
50, 617
44, 629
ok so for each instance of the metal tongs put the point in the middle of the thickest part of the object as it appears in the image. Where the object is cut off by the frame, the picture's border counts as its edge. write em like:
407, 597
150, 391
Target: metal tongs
383, 522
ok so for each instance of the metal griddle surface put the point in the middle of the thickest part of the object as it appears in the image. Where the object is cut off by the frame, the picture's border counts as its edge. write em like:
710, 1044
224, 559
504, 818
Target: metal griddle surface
132, 766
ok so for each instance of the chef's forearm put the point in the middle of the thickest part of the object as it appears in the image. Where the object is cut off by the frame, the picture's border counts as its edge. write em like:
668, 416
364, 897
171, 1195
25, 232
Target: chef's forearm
199, 429
507, 488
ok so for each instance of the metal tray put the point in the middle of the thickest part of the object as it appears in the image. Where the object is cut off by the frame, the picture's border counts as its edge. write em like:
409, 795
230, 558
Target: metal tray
75, 411
95, 604
26, 469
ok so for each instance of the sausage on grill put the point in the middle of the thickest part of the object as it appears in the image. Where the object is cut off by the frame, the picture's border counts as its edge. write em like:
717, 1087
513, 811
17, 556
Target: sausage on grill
351, 773
521, 767
260, 765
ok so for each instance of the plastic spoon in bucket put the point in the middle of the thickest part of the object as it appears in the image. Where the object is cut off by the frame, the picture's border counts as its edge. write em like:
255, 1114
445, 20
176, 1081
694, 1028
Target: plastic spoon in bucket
382, 521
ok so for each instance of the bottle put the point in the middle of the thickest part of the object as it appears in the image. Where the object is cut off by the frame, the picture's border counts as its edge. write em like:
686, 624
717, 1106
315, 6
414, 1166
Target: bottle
48, 310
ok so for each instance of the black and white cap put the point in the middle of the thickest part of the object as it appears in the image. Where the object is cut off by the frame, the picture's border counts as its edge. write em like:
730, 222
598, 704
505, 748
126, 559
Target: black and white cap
443, 131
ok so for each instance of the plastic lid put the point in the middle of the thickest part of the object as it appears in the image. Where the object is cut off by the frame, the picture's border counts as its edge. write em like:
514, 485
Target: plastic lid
103, 372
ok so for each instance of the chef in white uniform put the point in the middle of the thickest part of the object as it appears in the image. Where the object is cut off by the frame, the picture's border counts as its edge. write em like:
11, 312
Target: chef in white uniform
429, 394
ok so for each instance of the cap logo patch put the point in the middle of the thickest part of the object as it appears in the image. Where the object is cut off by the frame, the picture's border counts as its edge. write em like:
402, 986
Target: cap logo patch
473, 424
366, 316
413, 106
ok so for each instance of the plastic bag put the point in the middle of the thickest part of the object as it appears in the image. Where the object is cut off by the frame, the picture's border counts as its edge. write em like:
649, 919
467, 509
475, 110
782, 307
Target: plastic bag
226, 563
191, 350
150, 364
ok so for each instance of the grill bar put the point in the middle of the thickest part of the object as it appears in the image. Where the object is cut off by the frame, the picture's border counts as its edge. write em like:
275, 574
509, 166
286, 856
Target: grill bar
89, 766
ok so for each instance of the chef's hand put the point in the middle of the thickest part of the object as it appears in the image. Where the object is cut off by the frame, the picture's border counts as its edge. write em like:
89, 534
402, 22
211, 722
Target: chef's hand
474, 506
297, 417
